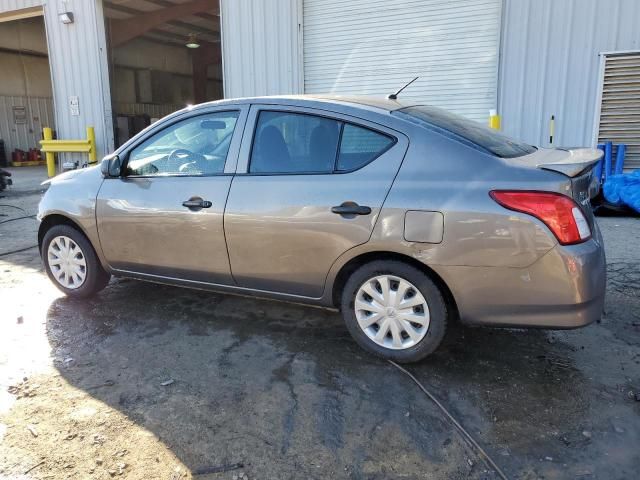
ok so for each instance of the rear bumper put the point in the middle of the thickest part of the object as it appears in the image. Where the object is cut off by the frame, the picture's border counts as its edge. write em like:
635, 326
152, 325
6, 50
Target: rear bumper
563, 289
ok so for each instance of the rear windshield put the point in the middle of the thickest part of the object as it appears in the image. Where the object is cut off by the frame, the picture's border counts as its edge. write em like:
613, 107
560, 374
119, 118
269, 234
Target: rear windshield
469, 130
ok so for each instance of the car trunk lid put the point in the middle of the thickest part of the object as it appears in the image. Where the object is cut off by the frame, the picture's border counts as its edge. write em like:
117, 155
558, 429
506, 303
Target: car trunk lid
575, 163
571, 162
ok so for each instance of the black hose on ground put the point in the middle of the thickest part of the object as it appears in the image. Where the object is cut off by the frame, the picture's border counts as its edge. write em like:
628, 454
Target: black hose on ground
466, 435
4, 254
17, 218
13, 206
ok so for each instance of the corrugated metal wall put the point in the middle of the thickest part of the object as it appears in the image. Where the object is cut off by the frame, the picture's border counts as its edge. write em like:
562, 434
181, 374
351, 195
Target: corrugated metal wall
78, 60
549, 64
548, 60
39, 113
261, 47
374, 47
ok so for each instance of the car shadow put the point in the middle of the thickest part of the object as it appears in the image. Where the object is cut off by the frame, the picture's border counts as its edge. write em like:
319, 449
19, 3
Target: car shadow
284, 390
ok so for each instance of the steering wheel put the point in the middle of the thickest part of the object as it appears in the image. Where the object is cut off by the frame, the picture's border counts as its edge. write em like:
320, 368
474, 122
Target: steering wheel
184, 161
187, 162
177, 158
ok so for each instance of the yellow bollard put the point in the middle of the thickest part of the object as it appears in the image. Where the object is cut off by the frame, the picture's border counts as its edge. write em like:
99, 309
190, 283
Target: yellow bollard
91, 136
47, 133
494, 120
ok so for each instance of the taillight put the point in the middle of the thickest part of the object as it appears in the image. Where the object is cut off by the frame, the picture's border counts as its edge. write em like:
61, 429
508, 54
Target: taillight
559, 212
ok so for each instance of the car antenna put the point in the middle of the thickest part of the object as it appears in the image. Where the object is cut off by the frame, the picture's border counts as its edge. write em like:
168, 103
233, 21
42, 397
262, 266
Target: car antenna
394, 96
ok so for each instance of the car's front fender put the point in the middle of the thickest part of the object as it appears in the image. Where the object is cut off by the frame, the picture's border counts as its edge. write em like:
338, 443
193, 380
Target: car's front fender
72, 195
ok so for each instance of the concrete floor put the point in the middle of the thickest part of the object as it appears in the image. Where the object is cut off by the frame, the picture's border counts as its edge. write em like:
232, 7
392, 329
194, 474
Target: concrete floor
283, 390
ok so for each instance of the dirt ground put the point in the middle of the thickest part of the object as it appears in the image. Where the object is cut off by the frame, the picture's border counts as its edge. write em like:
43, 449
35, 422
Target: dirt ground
155, 382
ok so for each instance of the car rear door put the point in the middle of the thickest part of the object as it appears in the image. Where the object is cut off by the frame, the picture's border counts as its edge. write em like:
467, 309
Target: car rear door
310, 185
164, 216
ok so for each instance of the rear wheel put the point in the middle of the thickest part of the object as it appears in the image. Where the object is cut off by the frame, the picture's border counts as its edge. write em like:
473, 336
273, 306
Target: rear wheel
71, 263
394, 310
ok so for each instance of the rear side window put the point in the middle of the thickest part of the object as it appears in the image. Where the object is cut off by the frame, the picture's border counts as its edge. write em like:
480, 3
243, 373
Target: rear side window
359, 146
287, 142
480, 136
294, 143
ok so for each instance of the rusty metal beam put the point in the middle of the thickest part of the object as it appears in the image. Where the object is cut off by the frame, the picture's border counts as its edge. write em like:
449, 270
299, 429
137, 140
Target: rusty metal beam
21, 14
190, 27
124, 30
206, 16
207, 54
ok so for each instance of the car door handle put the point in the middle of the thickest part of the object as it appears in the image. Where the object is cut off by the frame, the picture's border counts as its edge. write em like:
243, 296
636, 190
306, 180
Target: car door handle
351, 208
196, 203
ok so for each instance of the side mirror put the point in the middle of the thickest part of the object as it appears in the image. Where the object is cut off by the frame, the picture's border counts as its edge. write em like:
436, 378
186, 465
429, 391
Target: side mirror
111, 166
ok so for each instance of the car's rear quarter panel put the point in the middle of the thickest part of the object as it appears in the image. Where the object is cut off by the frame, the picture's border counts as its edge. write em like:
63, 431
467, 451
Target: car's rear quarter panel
502, 267
442, 175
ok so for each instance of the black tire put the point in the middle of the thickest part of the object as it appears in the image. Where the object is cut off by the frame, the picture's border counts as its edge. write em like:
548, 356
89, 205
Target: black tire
96, 278
437, 306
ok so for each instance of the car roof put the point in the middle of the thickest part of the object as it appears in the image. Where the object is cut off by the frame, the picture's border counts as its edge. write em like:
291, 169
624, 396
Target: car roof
380, 105
368, 102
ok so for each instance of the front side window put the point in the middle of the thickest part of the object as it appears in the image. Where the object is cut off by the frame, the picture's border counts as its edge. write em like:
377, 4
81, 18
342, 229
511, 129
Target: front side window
286, 142
194, 146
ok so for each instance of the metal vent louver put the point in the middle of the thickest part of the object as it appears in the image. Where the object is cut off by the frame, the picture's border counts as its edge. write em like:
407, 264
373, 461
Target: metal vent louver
620, 107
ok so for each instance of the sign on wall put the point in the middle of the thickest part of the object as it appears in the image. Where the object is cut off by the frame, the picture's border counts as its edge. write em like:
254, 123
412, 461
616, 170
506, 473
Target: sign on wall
19, 115
74, 105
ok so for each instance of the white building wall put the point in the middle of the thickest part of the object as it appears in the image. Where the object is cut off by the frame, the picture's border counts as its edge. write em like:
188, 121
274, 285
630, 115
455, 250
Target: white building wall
78, 62
261, 47
39, 111
78, 59
374, 47
549, 60
24, 83
550, 64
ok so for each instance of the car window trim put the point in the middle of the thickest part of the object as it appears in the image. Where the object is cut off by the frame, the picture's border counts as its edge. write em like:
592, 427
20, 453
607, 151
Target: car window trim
290, 109
335, 160
174, 175
177, 119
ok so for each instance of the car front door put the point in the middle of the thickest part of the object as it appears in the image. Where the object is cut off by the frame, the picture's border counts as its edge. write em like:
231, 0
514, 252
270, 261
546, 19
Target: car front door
164, 215
309, 186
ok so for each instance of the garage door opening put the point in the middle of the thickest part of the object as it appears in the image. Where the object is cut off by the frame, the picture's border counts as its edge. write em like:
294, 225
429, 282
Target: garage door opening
451, 46
26, 96
163, 56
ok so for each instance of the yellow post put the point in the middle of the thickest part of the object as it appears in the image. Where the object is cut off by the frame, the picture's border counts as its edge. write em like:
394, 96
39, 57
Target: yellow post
494, 120
91, 136
47, 133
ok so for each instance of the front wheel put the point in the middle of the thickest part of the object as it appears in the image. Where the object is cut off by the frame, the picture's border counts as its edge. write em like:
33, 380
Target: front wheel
394, 311
71, 263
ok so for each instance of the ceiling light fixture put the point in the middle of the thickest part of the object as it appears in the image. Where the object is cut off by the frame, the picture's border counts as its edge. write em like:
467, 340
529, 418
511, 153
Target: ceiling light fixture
192, 42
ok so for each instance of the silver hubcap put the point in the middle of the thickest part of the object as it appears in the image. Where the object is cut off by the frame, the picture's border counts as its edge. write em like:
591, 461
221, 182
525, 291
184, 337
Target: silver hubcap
67, 262
392, 312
